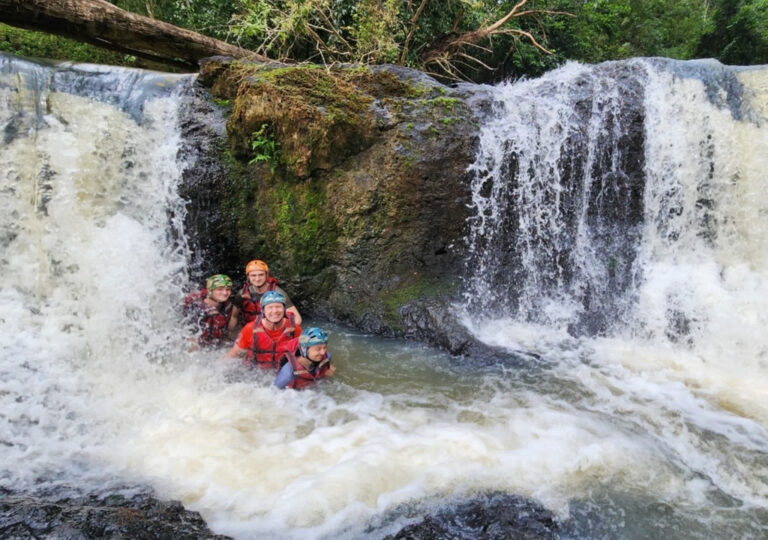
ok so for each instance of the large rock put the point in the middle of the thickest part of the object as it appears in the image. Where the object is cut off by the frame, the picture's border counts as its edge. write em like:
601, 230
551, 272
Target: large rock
351, 182
113, 516
490, 516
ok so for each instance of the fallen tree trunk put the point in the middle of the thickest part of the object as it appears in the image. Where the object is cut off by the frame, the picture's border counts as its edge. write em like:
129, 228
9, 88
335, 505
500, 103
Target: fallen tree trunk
102, 24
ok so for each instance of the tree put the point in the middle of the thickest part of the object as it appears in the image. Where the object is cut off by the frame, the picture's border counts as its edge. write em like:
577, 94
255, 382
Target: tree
100, 23
615, 29
453, 39
739, 32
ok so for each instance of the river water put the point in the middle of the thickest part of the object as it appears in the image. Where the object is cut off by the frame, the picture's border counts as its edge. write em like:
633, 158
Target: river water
641, 414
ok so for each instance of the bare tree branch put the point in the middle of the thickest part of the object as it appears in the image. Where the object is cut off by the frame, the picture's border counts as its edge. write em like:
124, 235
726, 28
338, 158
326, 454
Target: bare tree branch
408, 38
453, 46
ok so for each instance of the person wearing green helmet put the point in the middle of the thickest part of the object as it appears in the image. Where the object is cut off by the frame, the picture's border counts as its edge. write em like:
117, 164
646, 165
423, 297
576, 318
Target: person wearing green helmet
213, 312
311, 362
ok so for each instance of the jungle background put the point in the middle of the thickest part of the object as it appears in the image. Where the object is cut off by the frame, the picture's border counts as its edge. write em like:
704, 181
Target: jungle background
476, 40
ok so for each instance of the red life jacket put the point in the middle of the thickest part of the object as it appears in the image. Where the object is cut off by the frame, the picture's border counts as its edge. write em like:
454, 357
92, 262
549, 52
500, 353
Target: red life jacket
302, 377
266, 351
213, 321
252, 308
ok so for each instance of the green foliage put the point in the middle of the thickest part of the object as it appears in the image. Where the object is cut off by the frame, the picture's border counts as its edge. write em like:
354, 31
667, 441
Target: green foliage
738, 33
376, 31
320, 30
42, 45
380, 31
615, 29
208, 17
265, 147
416, 34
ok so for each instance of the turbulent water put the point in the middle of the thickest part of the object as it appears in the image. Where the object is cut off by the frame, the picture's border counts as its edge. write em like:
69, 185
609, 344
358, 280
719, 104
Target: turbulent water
644, 418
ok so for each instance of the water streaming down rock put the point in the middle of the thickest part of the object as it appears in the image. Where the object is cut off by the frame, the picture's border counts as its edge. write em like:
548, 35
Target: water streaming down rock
620, 221
99, 392
90, 215
558, 196
603, 196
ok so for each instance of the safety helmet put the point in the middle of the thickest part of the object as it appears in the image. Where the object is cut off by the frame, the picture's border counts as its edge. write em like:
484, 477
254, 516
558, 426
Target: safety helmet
313, 336
271, 297
256, 264
217, 280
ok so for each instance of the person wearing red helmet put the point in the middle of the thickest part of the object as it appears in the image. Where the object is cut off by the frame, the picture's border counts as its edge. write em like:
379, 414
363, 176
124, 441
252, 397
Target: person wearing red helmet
257, 282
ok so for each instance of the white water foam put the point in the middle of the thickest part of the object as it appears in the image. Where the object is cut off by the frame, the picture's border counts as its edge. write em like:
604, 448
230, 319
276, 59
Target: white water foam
688, 366
98, 389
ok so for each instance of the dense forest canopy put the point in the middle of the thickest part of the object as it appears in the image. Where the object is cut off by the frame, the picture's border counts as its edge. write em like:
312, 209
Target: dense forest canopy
479, 40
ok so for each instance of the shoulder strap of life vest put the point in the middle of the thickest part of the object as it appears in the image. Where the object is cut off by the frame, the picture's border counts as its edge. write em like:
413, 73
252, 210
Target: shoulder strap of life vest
300, 370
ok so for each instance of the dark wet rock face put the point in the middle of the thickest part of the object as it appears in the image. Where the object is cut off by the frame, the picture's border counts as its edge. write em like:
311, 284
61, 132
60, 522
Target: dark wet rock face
487, 517
204, 180
99, 517
350, 182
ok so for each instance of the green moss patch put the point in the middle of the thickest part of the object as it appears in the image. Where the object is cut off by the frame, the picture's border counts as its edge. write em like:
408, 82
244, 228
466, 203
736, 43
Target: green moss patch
416, 287
317, 117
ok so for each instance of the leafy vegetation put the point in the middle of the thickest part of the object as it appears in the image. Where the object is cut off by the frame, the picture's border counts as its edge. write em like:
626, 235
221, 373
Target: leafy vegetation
738, 33
264, 147
479, 40
42, 45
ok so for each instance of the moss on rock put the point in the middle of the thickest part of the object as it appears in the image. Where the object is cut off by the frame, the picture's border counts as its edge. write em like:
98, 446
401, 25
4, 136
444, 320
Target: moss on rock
362, 208
317, 116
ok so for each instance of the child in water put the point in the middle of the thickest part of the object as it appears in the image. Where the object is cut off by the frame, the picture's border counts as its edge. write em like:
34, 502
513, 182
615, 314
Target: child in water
312, 363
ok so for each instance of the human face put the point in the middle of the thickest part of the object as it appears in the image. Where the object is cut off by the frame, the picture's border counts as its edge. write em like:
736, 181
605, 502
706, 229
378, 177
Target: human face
274, 312
257, 278
221, 294
317, 352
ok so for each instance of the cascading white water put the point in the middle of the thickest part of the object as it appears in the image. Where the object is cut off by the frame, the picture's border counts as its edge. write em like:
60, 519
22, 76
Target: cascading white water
86, 264
98, 390
663, 243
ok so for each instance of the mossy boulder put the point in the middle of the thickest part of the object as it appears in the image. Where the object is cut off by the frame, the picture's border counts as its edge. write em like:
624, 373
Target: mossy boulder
352, 184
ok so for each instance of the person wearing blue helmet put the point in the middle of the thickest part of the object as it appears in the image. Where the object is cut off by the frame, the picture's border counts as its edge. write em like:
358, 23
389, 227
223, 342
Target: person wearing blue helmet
312, 362
272, 333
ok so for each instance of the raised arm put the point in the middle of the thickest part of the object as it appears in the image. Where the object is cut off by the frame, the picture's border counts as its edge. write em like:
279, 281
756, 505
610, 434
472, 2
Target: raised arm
296, 315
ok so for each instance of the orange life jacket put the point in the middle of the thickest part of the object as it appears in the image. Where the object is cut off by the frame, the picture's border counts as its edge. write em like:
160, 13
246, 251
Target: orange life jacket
252, 308
301, 376
266, 351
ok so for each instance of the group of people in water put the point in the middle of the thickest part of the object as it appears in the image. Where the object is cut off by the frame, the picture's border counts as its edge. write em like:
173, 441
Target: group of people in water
271, 336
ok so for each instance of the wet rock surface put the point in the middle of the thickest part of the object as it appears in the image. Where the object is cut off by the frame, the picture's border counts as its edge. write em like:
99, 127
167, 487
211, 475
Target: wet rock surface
350, 182
436, 321
113, 516
205, 177
487, 517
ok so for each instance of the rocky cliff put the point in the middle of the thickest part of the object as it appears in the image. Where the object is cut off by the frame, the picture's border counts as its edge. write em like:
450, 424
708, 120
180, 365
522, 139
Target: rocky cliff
349, 181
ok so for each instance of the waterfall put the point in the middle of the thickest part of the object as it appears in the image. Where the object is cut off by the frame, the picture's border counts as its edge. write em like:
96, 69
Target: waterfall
587, 177
93, 252
557, 197
623, 200
618, 234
